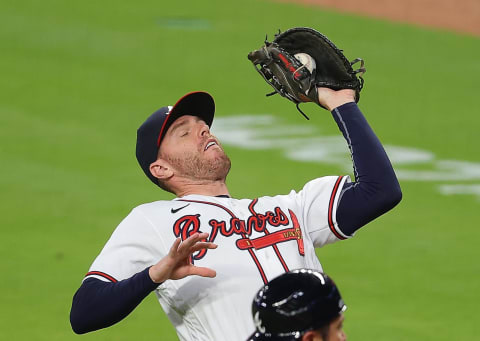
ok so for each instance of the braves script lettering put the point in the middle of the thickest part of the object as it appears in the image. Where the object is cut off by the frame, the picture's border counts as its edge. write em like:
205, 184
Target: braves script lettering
190, 224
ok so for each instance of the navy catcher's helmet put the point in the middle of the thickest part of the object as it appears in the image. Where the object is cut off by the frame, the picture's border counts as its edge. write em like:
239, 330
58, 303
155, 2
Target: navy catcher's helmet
294, 303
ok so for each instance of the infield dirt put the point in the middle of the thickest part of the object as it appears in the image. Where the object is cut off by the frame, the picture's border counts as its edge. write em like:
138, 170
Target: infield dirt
456, 15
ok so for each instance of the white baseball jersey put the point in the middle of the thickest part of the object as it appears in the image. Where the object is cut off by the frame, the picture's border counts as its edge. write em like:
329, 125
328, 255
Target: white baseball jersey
258, 239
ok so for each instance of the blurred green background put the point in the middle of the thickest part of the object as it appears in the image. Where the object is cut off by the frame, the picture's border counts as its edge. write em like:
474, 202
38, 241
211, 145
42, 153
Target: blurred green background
78, 78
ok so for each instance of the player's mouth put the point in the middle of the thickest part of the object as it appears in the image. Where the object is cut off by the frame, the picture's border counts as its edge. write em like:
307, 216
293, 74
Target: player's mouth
210, 143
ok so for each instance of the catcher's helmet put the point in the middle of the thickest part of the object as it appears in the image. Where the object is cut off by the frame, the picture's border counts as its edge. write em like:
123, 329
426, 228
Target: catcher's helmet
294, 303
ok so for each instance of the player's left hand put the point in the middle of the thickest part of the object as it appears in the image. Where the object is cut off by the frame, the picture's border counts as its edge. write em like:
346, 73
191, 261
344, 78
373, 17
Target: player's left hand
176, 264
331, 99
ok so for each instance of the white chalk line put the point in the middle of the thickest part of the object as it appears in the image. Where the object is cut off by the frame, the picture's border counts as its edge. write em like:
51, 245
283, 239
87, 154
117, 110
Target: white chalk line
305, 143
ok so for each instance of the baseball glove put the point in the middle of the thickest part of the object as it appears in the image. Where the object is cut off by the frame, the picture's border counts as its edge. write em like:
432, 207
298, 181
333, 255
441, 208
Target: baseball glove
301, 59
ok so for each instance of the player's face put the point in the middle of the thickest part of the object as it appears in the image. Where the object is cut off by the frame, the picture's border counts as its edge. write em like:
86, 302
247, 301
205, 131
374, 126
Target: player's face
335, 332
193, 151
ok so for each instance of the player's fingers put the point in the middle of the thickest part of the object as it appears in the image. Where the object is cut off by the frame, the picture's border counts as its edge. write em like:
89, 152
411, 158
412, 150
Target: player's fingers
190, 241
175, 245
202, 245
204, 272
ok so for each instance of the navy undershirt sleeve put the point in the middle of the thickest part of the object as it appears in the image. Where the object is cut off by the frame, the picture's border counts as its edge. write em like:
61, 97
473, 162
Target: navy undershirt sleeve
376, 189
98, 304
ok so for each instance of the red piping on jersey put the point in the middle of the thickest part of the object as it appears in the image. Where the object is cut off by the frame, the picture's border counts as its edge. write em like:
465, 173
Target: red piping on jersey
330, 209
275, 247
102, 274
254, 257
259, 266
277, 251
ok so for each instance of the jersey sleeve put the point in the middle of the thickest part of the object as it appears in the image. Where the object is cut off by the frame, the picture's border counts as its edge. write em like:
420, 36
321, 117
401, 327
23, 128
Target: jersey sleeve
133, 246
319, 201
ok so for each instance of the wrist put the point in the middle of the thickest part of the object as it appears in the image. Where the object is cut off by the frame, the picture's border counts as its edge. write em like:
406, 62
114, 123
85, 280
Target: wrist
331, 99
155, 275
337, 104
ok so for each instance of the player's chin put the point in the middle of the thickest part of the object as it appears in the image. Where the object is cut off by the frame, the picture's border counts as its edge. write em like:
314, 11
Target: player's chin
221, 166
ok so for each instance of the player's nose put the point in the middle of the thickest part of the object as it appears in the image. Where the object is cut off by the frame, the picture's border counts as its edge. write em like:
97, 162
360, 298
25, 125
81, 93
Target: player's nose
204, 130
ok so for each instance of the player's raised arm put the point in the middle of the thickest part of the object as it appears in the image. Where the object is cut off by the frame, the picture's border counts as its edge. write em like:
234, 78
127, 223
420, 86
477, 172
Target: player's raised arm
303, 65
98, 304
376, 189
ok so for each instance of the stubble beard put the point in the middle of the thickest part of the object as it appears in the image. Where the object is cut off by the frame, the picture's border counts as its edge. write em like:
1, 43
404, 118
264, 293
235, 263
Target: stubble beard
194, 167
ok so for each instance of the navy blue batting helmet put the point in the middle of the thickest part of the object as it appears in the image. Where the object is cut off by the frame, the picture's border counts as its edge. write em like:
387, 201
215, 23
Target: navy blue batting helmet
294, 303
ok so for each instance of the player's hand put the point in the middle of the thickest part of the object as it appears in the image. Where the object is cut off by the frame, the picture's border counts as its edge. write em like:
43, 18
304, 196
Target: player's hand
331, 99
176, 264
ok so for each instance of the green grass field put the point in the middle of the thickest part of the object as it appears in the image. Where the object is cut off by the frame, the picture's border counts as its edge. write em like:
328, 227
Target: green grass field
78, 78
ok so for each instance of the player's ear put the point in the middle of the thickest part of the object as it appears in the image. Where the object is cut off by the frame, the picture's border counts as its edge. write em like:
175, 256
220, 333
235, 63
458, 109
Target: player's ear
161, 169
311, 335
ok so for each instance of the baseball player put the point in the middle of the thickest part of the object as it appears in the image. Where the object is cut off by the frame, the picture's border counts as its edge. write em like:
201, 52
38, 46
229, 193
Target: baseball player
302, 304
160, 246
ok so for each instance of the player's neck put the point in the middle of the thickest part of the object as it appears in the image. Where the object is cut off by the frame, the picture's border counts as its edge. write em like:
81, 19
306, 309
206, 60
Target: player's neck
215, 188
